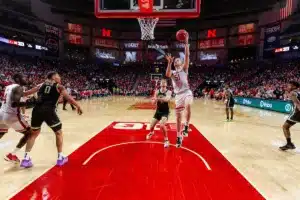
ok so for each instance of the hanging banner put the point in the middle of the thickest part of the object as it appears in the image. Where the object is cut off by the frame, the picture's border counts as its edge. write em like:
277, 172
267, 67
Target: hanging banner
272, 37
52, 40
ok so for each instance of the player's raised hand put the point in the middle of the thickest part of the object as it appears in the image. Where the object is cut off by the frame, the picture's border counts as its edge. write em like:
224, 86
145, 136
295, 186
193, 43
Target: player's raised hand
169, 58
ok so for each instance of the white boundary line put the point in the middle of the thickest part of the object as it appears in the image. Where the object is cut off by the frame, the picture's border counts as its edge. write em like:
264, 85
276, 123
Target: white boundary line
145, 142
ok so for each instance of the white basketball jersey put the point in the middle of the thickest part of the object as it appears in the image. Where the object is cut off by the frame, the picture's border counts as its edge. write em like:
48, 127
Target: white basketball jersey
7, 101
180, 81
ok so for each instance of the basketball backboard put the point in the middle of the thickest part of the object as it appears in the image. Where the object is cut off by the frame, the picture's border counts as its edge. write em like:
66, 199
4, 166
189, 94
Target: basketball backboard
161, 9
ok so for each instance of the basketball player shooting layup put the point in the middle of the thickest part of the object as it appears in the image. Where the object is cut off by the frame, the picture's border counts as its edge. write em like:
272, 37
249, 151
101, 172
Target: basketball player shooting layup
45, 111
294, 117
162, 98
10, 116
184, 96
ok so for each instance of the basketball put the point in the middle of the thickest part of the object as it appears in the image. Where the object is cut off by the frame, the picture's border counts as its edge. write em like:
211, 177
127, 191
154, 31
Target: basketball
181, 35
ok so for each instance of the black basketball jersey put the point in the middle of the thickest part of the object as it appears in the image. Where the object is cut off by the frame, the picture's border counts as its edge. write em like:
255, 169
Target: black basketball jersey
48, 94
298, 97
230, 95
162, 106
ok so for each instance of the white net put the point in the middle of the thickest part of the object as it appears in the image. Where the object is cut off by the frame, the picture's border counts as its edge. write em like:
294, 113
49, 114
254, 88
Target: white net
147, 27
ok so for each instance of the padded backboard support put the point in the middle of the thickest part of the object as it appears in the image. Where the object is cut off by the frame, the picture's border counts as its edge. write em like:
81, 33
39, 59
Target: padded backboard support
162, 9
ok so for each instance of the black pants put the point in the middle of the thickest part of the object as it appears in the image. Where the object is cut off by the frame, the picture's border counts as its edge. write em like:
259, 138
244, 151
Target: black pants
65, 101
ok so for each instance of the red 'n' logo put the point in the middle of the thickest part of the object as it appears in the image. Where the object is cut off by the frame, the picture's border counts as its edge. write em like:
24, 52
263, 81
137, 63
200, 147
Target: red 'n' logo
106, 32
212, 33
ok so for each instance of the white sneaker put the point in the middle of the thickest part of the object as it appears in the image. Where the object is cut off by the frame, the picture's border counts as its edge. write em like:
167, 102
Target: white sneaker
166, 144
149, 136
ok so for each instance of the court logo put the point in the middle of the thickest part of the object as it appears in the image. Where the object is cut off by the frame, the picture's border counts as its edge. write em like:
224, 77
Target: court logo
288, 108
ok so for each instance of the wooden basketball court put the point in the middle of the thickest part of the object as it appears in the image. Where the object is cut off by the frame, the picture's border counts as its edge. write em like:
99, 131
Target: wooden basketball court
111, 159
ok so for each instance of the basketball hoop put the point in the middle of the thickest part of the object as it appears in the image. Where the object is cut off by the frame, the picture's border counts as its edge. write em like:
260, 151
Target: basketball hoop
147, 27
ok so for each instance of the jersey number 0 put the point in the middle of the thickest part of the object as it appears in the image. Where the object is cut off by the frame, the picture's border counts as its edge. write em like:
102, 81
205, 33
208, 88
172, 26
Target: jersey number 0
47, 89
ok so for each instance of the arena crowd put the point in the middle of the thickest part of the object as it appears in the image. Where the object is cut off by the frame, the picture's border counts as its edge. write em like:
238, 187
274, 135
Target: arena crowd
94, 80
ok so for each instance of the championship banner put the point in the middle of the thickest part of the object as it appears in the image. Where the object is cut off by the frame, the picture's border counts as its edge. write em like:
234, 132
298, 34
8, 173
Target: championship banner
52, 40
272, 37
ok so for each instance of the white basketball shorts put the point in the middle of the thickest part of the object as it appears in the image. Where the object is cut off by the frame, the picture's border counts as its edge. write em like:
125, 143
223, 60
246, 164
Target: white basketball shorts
183, 99
12, 120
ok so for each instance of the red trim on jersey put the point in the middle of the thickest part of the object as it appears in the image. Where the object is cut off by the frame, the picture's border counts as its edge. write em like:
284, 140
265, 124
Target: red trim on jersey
4, 130
179, 107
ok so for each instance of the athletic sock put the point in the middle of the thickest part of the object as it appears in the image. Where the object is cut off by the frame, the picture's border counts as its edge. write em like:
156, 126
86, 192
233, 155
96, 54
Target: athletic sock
289, 141
60, 156
26, 157
186, 123
15, 151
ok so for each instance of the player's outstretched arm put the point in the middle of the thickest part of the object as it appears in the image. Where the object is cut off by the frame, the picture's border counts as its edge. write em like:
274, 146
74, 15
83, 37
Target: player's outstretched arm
187, 55
32, 90
17, 93
72, 101
170, 60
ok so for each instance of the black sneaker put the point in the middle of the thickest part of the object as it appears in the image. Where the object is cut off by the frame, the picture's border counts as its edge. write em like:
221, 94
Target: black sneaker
185, 132
287, 147
179, 142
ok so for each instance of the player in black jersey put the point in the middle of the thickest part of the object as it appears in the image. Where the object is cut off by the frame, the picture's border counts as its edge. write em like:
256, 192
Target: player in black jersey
229, 102
294, 116
45, 111
162, 98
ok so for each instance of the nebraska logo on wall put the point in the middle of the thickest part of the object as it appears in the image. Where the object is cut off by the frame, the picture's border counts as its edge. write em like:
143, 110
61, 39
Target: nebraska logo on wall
130, 56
